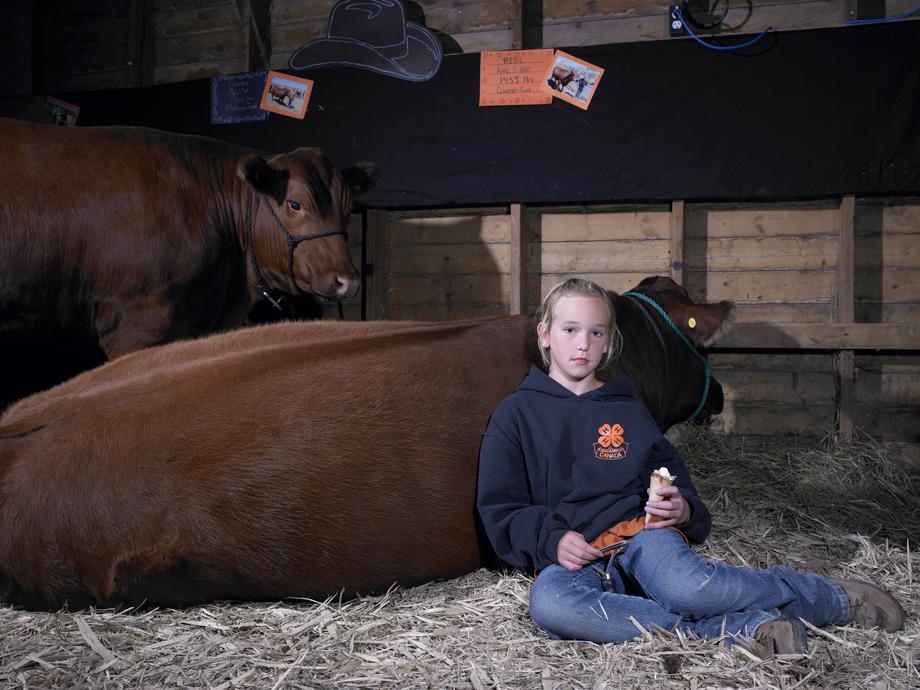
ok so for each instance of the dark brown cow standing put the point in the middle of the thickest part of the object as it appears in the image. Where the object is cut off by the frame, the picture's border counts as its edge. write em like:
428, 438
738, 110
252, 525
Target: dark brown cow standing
286, 460
132, 237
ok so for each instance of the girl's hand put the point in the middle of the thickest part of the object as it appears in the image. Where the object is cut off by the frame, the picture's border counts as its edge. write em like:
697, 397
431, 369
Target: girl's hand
574, 552
673, 508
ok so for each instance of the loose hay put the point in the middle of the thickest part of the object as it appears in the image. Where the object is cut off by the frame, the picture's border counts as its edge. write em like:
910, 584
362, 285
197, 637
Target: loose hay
844, 509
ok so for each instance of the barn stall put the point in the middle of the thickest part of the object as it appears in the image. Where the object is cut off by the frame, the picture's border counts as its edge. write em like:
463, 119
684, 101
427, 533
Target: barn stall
782, 178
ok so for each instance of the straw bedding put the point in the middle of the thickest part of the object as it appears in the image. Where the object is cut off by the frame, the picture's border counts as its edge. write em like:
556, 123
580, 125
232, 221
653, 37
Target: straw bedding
842, 509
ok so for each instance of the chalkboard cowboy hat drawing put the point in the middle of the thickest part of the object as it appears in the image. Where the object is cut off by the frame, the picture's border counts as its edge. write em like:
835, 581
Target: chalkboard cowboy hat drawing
374, 35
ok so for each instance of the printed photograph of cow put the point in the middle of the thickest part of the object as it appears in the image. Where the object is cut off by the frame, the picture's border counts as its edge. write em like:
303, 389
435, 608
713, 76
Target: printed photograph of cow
286, 95
572, 80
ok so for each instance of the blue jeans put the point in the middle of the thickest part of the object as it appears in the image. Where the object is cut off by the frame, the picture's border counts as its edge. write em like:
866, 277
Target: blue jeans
659, 580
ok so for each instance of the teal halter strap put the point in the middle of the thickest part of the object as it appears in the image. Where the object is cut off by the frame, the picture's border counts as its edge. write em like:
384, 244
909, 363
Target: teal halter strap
707, 373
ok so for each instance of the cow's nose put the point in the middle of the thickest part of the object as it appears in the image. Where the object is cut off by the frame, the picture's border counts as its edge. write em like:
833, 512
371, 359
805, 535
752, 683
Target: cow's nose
346, 286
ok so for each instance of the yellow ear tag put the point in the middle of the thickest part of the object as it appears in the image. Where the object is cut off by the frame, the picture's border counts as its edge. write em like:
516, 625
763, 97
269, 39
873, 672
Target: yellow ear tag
691, 322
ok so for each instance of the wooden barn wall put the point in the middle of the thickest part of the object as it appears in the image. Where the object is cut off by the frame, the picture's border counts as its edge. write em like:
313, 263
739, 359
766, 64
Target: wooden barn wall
197, 38
99, 44
778, 262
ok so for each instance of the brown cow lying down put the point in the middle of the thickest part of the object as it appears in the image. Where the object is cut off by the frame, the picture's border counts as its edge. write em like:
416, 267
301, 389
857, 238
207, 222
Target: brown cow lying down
133, 237
297, 459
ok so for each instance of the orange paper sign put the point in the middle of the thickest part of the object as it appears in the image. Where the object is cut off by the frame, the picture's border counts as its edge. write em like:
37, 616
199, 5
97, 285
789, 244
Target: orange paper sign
513, 77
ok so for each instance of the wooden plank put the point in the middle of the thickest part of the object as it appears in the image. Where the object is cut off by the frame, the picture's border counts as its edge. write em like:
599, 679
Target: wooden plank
772, 419
781, 312
449, 229
518, 269
189, 22
844, 371
619, 225
854, 336
293, 11
776, 220
286, 38
201, 48
456, 290
677, 241
444, 312
649, 256
887, 250
166, 74
428, 259
877, 312
761, 253
790, 387
845, 261
758, 287
377, 260
843, 401
795, 363
889, 422
170, 5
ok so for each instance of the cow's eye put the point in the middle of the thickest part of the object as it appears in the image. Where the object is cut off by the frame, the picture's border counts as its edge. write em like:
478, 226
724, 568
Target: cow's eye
293, 205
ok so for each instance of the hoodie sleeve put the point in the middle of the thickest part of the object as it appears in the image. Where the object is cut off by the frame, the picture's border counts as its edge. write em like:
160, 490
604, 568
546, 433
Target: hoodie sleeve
700, 523
523, 534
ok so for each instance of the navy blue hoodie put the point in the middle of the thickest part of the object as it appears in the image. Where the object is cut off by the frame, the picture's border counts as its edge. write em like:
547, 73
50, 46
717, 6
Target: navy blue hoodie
552, 461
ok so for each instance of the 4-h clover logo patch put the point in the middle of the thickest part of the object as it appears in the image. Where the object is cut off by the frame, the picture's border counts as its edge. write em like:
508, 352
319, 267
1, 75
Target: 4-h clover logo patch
610, 445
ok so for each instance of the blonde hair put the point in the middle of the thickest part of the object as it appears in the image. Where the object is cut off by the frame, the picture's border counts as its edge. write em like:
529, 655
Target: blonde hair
581, 288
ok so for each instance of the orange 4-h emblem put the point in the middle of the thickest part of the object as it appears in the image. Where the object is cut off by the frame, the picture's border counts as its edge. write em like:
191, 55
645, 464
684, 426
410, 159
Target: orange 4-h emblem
611, 436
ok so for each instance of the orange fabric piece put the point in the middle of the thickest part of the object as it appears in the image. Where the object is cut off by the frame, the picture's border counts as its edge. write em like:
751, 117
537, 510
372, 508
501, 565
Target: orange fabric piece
624, 530
620, 531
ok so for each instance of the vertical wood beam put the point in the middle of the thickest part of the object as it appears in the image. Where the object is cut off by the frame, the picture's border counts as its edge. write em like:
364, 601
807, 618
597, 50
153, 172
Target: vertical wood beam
526, 24
677, 241
518, 238
140, 43
376, 260
844, 364
256, 21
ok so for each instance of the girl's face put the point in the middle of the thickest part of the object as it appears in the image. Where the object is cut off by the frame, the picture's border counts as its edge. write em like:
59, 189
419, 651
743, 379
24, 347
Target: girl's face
577, 341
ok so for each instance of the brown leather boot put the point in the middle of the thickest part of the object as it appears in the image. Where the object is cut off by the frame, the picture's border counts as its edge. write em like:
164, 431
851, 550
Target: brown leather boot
783, 636
871, 606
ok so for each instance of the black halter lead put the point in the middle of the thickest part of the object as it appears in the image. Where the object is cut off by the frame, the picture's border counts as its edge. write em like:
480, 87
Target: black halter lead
292, 242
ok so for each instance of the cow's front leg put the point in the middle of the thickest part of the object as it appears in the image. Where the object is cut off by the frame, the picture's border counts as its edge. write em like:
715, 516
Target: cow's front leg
128, 325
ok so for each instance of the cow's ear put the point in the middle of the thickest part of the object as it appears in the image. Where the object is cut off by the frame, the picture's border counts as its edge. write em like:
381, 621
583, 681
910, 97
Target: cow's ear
361, 177
263, 178
703, 323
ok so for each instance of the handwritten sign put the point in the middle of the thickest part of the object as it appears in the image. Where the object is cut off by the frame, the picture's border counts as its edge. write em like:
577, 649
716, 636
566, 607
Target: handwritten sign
514, 77
235, 98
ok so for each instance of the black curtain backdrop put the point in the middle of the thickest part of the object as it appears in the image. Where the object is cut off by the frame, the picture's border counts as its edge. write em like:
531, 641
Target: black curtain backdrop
799, 114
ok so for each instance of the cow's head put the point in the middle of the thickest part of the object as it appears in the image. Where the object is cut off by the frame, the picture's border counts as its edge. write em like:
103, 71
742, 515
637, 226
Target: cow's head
669, 371
300, 216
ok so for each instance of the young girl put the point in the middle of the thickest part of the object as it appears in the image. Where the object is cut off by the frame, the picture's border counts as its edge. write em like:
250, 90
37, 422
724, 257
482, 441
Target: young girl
564, 469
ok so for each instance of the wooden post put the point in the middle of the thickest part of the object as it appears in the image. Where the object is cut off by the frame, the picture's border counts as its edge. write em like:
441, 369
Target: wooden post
677, 241
376, 233
256, 20
844, 360
140, 42
526, 24
518, 268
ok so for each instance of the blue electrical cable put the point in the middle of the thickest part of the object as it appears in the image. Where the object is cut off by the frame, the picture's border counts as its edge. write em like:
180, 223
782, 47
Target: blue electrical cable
714, 47
884, 19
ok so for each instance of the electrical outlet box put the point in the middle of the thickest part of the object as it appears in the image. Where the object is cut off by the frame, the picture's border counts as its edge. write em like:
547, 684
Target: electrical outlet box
675, 22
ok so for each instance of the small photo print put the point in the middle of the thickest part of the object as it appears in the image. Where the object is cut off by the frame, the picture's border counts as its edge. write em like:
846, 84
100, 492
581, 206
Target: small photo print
286, 95
572, 80
58, 112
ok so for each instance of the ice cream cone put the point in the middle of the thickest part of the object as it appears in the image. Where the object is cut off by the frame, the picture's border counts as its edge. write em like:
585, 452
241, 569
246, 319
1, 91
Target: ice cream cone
660, 477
